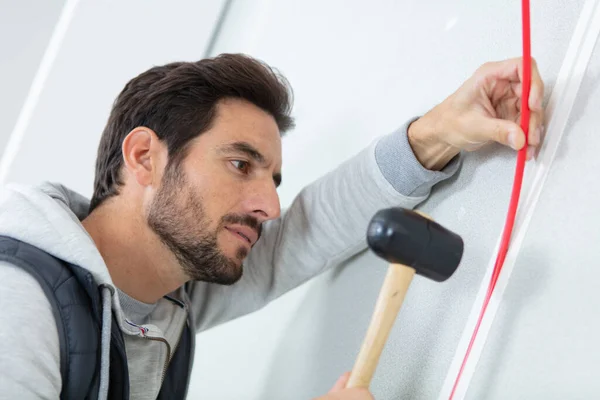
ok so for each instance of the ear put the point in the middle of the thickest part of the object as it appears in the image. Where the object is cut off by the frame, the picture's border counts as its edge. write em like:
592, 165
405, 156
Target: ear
143, 156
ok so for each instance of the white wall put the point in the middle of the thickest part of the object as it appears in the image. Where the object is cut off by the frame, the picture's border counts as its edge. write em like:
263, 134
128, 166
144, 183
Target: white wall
359, 70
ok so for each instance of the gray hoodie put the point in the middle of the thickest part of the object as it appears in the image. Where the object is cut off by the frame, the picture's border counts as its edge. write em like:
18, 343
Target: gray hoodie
327, 221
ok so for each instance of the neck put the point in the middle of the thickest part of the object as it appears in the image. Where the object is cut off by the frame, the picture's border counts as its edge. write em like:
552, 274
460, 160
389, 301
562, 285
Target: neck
138, 262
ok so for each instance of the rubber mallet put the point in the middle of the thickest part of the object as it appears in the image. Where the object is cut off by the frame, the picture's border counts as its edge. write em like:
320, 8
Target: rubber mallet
413, 244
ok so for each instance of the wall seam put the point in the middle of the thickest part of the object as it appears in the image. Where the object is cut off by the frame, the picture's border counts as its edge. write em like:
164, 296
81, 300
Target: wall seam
35, 90
218, 28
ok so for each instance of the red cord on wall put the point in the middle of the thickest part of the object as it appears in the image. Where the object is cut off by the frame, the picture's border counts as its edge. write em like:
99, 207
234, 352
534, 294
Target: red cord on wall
518, 180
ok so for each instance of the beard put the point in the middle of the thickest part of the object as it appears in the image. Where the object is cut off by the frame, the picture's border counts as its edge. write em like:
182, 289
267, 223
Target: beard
178, 217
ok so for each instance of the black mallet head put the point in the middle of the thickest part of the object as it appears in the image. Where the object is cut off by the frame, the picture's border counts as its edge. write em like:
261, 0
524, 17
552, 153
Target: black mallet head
403, 236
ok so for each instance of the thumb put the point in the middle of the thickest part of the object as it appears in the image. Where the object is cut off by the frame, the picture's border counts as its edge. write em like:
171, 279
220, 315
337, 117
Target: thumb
341, 383
502, 131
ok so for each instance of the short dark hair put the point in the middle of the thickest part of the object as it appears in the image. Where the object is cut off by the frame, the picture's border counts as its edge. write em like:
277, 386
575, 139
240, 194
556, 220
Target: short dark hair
178, 102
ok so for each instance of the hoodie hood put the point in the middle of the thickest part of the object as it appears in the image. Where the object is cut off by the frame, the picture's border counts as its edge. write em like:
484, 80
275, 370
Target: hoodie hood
49, 217
51, 214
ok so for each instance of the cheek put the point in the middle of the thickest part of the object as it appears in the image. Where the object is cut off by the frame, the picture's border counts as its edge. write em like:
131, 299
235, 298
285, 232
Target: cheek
219, 190
221, 199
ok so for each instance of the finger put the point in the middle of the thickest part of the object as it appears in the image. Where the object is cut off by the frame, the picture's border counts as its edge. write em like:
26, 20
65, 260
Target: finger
536, 93
509, 70
536, 88
534, 135
502, 131
517, 88
512, 70
340, 383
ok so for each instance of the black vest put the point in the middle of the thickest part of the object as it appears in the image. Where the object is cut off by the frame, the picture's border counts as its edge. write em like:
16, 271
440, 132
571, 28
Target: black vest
76, 305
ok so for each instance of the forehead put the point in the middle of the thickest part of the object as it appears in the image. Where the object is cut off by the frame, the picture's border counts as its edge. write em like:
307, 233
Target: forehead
241, 121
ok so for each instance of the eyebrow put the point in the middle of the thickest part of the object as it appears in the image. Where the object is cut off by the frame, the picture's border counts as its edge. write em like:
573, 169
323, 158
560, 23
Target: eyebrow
252, 152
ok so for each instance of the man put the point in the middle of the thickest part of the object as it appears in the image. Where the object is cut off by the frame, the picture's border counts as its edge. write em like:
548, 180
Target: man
184, 229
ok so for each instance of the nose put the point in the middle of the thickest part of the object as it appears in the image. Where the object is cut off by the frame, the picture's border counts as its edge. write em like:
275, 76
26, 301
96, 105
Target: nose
263, 202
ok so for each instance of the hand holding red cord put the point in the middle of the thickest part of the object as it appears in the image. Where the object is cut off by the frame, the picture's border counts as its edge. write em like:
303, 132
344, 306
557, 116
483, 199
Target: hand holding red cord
486, 108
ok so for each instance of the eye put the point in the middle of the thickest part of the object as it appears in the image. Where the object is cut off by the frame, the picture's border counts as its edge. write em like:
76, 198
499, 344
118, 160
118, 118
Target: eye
242, 166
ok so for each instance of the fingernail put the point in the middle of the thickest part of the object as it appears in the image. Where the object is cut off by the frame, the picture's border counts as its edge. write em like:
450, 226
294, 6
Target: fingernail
512, 140
532, 102
534, 153
536, 102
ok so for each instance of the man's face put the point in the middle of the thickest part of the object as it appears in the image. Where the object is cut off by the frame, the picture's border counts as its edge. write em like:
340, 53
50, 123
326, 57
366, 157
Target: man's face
209, 209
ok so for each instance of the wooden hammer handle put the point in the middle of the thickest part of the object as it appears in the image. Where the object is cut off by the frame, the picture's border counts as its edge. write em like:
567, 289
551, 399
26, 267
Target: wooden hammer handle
388, 305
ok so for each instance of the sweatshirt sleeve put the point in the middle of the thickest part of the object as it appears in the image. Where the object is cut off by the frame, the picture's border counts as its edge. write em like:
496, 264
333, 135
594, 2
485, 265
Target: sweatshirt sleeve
325, 226
29, 346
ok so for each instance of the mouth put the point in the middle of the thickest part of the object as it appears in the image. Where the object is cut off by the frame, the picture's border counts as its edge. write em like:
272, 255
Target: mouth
246, 235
